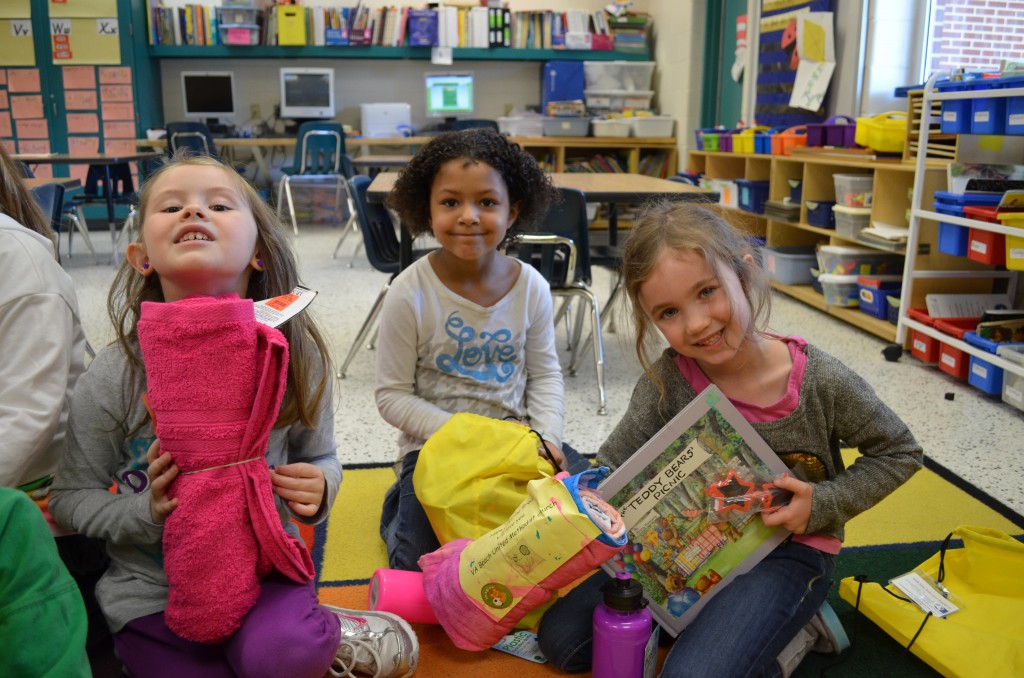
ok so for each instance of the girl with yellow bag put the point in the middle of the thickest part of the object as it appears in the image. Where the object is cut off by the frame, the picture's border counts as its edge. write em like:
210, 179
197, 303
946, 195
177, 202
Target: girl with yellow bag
466, 329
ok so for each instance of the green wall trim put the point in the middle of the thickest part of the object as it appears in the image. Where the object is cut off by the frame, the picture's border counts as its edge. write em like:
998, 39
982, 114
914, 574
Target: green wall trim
420, 53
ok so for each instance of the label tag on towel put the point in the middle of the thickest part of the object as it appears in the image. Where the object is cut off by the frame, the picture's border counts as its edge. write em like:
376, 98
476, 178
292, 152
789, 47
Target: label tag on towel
279, 310
522, 644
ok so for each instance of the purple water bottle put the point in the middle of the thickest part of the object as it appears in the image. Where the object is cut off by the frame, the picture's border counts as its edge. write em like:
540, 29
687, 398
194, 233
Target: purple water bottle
624, 645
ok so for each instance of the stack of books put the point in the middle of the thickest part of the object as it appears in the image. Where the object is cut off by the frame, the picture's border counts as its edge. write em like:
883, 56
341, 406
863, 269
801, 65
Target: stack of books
629, 32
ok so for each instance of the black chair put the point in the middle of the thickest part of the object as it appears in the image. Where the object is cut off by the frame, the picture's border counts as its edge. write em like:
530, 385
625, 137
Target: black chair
472, 123
319, 156
50, 198
382, 249
561, 252
194, 136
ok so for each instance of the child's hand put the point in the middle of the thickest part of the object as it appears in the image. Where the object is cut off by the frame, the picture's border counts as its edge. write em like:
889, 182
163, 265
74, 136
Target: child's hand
556, 454
301, 485
161, 471
794, 516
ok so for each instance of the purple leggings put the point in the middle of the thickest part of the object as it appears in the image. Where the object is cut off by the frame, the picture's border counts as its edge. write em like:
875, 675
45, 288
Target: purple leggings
286, 633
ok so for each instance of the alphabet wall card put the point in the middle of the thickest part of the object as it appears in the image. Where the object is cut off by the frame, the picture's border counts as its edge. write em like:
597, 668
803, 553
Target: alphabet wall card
86, 40
16, 45
79, 77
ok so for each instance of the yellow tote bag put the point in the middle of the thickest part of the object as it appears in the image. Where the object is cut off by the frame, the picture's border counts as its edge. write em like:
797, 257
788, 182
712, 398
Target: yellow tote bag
987, 634
472, 474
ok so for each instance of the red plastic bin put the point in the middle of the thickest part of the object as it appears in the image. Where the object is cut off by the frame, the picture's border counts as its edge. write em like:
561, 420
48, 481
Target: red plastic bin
951, 359
985, 247
922, 346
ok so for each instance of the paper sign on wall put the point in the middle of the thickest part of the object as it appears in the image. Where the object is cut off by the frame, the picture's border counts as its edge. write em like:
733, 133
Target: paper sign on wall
83, 8
5, 124
16, 46
4, 101
80, 100
35, 147
23, 80
118, 130
80, 146
26, 106
115, 75
83, 123
35, 128
815, 43
86, 41
79, 77
118, 112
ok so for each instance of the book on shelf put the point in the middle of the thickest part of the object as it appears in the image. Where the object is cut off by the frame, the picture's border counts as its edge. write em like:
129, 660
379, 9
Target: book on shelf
680, 556
422, 24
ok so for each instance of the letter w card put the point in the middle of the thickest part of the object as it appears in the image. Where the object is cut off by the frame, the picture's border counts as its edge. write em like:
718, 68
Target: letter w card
675, 551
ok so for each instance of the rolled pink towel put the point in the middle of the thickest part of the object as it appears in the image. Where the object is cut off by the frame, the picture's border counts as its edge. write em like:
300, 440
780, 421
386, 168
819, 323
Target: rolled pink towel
470, 620
216, 379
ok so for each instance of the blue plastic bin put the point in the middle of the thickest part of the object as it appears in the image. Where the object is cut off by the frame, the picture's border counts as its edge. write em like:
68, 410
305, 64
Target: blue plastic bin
753, 195
1014, 107
982, 374
820, 214
988, 113
956, 113
953, 238
796, 190
874, 290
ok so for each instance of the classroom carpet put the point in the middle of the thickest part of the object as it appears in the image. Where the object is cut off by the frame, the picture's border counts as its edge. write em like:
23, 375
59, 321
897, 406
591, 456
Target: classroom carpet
891, 538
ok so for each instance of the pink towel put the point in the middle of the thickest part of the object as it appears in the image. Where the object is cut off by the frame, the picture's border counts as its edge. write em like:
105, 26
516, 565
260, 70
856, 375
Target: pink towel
464, 619
216, 380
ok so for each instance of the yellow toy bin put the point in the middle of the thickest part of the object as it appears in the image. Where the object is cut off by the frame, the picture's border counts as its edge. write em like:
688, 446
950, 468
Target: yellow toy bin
884, 133
744, 141
1014, 244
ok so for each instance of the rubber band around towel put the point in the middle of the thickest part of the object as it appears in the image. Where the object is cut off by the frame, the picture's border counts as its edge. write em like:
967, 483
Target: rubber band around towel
214, 468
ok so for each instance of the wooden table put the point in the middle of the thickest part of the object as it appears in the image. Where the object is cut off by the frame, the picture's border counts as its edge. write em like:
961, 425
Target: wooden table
609, 188
104, 160
66, 182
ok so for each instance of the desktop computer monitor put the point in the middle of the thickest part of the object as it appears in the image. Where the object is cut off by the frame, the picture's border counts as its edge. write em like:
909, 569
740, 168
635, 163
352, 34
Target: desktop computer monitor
307, 94
449, 95
209, 95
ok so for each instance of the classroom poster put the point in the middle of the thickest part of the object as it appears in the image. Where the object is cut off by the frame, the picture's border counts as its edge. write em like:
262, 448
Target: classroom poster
85, 40
16, 44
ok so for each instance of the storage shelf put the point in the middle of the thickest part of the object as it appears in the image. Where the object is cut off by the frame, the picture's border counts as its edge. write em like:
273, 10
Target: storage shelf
806, 294
919, 217
368, 52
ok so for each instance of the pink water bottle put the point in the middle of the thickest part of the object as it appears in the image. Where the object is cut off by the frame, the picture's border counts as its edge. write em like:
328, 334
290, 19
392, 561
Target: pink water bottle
623, 642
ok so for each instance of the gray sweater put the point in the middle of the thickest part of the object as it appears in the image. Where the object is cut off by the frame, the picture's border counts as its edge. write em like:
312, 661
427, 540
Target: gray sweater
835, 405
100, 452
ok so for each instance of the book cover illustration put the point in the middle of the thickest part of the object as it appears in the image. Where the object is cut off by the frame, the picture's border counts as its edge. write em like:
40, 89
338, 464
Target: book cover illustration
680, 556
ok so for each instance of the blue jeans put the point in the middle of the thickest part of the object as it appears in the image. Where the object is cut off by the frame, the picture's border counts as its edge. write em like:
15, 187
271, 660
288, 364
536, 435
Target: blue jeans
404, 525
739, 632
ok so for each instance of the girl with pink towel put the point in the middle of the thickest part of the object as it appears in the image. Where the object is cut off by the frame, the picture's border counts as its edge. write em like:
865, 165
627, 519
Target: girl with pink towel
216, 432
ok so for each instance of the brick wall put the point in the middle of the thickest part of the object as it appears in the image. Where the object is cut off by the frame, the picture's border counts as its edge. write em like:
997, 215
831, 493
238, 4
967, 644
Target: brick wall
976, 33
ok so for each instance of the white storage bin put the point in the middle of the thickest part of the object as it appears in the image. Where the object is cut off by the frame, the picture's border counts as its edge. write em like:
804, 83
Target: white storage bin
618, 127
1013, 384
651, 126
617, 99
523, 126
566, 127
840, 290
851, 220
854, 190
629, 75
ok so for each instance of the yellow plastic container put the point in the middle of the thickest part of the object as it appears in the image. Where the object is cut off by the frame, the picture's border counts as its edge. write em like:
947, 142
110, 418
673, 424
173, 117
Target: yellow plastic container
744, 141
884, 133
1014, 244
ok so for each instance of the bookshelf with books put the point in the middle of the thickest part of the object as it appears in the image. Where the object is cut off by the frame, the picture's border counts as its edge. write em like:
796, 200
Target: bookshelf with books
476, 33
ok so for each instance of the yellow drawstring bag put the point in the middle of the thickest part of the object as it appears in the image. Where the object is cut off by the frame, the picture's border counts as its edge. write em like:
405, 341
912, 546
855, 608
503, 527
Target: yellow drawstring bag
472, 474
986, 577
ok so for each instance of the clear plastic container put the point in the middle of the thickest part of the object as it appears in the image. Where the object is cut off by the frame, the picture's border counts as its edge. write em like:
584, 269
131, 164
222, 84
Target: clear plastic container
626, 75
617, 99
566, 127
851, 220
524, 126
616, 127
854, 190
790, 265
839, 260
651, 126
840, 290
1013, 384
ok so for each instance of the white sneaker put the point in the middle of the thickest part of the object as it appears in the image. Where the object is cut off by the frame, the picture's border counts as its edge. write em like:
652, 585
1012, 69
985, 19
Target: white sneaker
823, 634
378, 644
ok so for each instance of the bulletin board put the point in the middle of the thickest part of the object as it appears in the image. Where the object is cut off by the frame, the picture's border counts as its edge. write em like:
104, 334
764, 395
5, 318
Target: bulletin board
16, 45
84, 32
777, 63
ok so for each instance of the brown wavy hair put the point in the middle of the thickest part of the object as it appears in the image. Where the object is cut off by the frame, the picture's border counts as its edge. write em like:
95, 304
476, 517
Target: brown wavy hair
309, 364
17, 202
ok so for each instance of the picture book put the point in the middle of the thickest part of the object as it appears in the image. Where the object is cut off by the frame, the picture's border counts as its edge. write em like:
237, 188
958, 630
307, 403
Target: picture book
680, 551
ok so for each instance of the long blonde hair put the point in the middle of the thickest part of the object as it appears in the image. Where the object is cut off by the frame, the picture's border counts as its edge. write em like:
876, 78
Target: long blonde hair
309, 365
17, 202
685, 227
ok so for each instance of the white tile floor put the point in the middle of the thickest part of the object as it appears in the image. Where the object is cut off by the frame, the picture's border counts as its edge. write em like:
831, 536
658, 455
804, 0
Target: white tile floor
973, 435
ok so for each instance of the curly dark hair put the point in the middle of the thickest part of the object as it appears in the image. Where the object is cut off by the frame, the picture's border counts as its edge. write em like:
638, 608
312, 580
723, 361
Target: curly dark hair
526, 182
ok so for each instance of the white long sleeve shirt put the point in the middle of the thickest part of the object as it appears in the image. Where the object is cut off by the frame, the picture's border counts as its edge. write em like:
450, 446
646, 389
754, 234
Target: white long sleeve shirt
43, 354
439, 353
